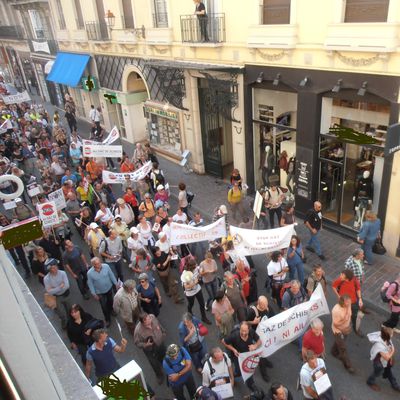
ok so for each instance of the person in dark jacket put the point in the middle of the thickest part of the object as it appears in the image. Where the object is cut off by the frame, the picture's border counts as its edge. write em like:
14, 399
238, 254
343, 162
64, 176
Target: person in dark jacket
77, 333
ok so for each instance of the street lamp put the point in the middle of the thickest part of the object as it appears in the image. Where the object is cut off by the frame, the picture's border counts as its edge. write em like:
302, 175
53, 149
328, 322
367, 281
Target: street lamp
110, 19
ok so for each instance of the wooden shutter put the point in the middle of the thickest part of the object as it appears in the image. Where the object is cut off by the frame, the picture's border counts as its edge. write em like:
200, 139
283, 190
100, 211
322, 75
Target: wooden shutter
276, 12
366, 10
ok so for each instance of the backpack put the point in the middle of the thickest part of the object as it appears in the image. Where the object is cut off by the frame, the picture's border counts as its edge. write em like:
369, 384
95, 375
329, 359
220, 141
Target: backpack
208, 362
106, 245
305, 283
286, 288
160, 180
189, 198
384, 289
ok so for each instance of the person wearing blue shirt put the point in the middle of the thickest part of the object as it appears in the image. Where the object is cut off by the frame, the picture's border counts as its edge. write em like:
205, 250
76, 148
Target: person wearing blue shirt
69, 177
370, 231
177, 366
100, 281
295, 256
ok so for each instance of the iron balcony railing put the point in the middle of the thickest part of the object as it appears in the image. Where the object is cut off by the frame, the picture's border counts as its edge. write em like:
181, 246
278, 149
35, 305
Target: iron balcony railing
97, 30
43, 46
12, 32
160, 20
198, 29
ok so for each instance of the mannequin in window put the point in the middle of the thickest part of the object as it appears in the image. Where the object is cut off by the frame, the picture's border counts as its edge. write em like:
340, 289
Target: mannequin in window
200, 11
267, 164
291, 170
363, 197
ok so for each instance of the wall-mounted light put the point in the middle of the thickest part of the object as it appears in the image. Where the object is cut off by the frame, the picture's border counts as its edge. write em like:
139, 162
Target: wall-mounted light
260, 77
187, 116
238, 129
304, 81
277, 80
110, 19
363, 89
338, 86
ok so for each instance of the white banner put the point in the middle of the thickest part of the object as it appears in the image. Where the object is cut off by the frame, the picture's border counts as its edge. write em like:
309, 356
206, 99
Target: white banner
285, 327
248, 362
112, 136
87, 142
41, 46
101, 150
48, 214
181, 233
258, 202
58, 198
120, 177
17, 98
250, 242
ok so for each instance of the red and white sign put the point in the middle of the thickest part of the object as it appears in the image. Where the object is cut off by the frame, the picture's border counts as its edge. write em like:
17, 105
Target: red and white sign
112, 136
248, 362
48, 214
102, 150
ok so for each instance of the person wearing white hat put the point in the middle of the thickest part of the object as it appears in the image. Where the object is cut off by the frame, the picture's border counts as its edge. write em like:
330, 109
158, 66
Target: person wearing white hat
163, 243
124, 210
161, 197
94, 238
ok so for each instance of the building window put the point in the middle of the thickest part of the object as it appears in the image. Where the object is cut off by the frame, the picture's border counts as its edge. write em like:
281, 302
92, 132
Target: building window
366, 11
79, 17
61, 19
160, 16
275, 12
127, 18
38, 28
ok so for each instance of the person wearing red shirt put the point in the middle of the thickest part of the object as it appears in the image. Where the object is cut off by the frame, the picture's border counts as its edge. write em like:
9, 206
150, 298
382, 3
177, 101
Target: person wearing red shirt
314, 339
131, 199
348, 284
126, 165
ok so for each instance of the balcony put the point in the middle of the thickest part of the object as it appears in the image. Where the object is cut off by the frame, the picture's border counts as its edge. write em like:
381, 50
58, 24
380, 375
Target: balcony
43, 46
12, 32
160, 20
97, 31
209, 29
274, 36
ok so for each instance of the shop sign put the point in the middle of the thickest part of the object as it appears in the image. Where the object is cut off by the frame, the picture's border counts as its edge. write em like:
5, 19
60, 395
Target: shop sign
17, 98
304, 173
89, 83
41, 47
161, 113
392, 140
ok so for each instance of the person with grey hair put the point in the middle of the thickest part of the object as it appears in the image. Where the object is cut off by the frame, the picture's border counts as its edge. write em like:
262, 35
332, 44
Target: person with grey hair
356, 263
190, 338
217, 369
314, 339
234, 292
126, 304
293, 295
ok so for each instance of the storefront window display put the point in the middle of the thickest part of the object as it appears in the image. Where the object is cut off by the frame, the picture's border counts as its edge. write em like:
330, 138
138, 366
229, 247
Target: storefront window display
351, 164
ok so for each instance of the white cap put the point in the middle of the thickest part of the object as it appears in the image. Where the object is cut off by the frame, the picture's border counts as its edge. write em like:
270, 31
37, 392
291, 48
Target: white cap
117, 216
160, 187
223, 209
93, 225
134, 230
161, 235
186, 276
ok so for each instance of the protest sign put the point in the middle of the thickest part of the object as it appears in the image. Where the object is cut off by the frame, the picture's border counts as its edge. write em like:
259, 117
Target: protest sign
120, 177
58, 198
181, 233
112, 136
48, 214
287, 326
250, 242
258, 202
16, 98
101, 150
248, 362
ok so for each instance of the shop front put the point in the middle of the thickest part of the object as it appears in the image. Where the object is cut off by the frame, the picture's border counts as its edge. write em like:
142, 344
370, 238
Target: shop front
335, 125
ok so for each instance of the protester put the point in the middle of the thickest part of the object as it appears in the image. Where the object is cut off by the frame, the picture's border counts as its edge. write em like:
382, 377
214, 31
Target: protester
370, 231
234, 292
208, 272
314, 339
111, 251
223, 313
149, 295
313, 222
217, 369
279, 392
316, 277
277, 269
295, 257
393, 295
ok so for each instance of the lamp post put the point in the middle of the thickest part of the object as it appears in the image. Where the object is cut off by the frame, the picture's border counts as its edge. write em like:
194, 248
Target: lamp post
110, 19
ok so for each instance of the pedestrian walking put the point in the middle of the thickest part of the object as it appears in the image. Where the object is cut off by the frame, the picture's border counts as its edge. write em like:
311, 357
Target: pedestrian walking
234, 292
235, 200
94, 238
223, 313
101, 354
314, 339
217, 369
149, 295
273, 198
382, 357
277, 269
190, 338
317, 276
295, 257
56, 284
208, 272
279, 392
149, 336
313, 222
370, 231
76, 264
100, 281
393, 295
177, 366
341, 320
111, 251
126, 304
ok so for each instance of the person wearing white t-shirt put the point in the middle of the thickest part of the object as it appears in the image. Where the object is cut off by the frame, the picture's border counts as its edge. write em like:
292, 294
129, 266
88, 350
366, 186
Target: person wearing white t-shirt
277, 269
313, 369
217, 369
180, 217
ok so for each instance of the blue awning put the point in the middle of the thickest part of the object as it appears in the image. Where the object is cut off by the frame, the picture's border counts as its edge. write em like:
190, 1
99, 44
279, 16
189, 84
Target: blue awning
68, 68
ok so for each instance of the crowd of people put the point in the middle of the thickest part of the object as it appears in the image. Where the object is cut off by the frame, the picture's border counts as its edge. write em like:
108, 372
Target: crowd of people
127, 234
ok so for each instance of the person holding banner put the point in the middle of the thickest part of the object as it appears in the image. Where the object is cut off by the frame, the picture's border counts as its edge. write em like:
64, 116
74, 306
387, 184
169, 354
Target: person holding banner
242, 340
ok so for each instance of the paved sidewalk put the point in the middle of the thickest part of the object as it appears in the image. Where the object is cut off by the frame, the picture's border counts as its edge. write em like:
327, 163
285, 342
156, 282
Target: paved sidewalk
211, 192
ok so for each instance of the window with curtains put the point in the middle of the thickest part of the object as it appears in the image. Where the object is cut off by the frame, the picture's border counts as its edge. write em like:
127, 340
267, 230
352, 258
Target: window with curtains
275, 12
366, 10
79, 17
61, 19
127, 18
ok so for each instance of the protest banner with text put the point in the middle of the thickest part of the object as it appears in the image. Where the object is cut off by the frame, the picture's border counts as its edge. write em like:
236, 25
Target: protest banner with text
102, 150
120, 177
